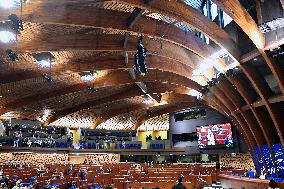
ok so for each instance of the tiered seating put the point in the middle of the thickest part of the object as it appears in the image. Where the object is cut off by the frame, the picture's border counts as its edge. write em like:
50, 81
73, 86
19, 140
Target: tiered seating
120, 175
237, 161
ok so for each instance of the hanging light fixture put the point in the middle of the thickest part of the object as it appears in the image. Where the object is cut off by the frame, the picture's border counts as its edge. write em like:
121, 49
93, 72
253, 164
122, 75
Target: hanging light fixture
88, 76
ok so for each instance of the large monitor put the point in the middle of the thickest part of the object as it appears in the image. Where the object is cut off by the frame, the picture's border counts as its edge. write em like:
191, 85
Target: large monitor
215, 136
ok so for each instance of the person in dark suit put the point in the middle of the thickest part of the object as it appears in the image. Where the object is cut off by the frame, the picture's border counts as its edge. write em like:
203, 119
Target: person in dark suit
179, 185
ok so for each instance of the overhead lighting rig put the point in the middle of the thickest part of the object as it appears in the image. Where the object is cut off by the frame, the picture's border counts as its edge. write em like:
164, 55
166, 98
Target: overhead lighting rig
274, 24
88, 76
43, 59
16, 24
10, 29
276, 52
233, 72
140, 58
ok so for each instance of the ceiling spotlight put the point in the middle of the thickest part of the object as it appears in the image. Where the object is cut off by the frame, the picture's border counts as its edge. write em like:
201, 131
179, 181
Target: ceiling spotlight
11, 55
91, 89
88, 76
149, 113
43, 59
47, 77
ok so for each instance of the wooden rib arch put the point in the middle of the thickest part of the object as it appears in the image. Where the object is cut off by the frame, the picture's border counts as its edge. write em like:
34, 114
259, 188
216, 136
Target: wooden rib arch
98, 64
115, 77
104, 19
187, 101
264, 92
243, 89
248, 25
186, 14
228, 93
85, 105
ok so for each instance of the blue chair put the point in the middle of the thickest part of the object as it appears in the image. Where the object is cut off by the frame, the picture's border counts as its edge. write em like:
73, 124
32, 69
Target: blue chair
57, 144
93, 145
251, 174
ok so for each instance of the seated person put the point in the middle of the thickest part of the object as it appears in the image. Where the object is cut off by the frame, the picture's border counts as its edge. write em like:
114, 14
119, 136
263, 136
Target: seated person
61, 175
262, 175
73, 185
179, 185
273, 185
47, 185
109, 187
17, 185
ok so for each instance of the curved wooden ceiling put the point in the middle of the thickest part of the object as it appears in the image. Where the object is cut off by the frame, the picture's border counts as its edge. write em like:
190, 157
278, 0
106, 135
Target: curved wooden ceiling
98, 35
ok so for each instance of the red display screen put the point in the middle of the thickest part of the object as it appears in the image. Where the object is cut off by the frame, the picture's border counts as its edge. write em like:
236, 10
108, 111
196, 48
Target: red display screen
215, 135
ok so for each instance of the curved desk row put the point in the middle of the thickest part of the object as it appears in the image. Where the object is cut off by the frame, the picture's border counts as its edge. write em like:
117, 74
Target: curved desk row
237, 182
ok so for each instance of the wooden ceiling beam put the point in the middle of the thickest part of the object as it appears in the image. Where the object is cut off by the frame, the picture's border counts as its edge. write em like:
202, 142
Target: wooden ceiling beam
113, 78
184, 101
224, 95
134, 16
104, 19
181, 12
128, 93
244, 92
237, 12
264, 92
260, 134
249, 56
91, 63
